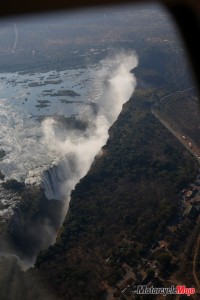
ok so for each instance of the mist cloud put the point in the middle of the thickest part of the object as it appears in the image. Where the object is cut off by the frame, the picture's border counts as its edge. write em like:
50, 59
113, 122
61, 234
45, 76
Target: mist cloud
117, 82
117, 85
73, 152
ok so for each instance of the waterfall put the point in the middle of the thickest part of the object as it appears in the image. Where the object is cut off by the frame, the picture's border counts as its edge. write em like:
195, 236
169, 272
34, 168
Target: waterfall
57, 177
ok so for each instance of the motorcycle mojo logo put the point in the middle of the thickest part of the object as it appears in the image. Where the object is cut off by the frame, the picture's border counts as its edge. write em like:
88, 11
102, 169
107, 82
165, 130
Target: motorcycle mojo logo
173, 290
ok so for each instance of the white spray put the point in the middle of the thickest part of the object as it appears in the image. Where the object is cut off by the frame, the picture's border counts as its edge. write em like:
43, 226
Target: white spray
117, 84
72, 151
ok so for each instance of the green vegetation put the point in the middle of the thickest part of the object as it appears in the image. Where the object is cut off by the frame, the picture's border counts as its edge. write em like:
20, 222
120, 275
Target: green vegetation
121, 207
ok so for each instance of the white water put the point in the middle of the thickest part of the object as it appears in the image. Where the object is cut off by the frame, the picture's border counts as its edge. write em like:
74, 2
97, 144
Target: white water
21, 135
46, 154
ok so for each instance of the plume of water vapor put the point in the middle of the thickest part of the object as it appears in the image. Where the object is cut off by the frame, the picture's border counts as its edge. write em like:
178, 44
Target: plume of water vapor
117, 84
75, 151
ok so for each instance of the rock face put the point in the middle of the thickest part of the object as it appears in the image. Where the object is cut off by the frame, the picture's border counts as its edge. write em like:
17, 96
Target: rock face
13, 185
2, 176
28, 223
56, 181
52, 179
8, 201
2, 154
28, 220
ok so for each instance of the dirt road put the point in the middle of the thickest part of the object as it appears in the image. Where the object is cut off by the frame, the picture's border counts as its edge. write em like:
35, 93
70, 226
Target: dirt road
195, 151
